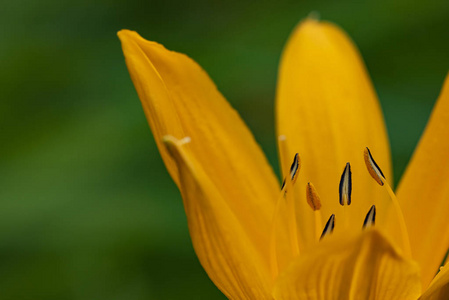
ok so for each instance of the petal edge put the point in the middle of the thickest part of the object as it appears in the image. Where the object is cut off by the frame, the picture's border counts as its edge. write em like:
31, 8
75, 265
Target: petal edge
424, 191
220, 242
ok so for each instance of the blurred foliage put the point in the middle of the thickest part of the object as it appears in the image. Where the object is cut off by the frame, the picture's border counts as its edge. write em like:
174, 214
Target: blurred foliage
87, 210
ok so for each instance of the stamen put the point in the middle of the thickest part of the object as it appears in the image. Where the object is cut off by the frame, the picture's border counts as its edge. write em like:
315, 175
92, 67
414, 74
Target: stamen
291, 204
370, 218
290, 176
329, 227
372, 167
294, 168
397, 207
345, 187
286, 185
313, 199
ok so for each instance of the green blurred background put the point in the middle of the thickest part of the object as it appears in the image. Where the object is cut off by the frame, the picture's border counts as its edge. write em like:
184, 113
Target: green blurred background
87, 210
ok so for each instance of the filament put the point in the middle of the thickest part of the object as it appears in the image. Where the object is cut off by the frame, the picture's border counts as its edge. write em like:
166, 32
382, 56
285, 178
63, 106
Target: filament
318, 224
273, 250
290, 176
377, 174
403, 227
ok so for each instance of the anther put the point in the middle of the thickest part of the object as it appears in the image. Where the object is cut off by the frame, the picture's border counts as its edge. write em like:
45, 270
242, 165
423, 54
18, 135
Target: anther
372, 167
345, 187
294, 168
313, 199
329, 226
370, 218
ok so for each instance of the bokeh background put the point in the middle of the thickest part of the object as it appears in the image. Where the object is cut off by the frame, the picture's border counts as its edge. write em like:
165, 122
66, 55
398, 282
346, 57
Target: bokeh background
87, 210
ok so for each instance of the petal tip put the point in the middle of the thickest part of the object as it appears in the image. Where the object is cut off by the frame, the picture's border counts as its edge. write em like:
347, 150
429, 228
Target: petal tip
173, 146
313, 27
314, 16
123, 33
171, 142
169, 139
126, 35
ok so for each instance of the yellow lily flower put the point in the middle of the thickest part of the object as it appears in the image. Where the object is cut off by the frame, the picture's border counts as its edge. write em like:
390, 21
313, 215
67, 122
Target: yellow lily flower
257, 240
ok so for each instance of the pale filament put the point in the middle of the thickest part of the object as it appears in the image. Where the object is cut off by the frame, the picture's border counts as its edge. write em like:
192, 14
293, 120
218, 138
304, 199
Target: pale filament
289, 193
377, 175
404, 232
273, 250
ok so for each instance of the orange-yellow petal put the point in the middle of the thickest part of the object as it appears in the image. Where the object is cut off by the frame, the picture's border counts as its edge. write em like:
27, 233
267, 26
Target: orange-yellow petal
424, 191
439, 287
328, 111
363, 266
181, 100
221, 244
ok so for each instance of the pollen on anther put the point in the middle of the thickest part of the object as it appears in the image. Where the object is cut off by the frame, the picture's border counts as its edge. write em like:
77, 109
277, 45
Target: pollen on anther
313, 199
329, 226
372, 167
370, 218
294, 169
345, 187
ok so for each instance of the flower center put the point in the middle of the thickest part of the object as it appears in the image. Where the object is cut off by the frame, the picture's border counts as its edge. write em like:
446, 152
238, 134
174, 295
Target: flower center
313, 200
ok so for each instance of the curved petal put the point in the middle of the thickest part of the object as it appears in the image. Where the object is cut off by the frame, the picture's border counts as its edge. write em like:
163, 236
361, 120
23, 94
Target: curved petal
424, 191
180, 99
222, 246
439, 288
329, 112
364, 266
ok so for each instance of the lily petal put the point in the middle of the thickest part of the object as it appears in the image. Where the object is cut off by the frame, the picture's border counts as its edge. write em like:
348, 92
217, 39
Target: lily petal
424, 191
222, 246
363, 266
328, 110
439, 287
181, 100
